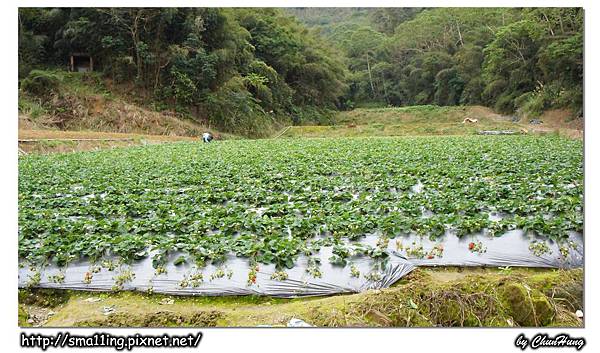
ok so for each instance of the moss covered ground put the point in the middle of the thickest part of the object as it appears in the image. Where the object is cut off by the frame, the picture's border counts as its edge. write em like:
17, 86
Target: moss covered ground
475, 297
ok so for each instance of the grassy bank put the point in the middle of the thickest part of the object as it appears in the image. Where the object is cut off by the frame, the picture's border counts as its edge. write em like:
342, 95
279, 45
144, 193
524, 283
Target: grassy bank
88, 102
425, 298
406, 121
434, 120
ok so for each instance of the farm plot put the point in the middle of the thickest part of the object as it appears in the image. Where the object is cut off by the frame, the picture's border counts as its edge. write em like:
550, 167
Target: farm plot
288, 204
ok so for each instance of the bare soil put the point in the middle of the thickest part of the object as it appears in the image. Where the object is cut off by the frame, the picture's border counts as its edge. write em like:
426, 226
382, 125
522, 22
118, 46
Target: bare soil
559, 121
52, 141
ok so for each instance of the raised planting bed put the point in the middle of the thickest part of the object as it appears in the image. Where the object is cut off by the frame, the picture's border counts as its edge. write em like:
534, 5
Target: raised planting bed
277, 206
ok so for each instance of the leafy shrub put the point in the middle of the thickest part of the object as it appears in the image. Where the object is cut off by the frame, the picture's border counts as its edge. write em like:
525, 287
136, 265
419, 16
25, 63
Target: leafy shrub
40, 83
573, 98
31, 108
312, 115
530, 104
234, 109
448, 87
493, 90
505, 104
471, 94
422, 98
521, 100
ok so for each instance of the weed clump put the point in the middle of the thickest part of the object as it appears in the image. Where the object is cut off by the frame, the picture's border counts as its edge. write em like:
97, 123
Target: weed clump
40, 83
47, 298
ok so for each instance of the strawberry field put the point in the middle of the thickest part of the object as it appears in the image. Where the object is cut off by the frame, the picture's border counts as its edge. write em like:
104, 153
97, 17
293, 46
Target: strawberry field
271, 201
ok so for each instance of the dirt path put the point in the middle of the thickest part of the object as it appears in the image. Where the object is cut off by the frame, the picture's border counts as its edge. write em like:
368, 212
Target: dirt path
59, 134
49, 141
560, 121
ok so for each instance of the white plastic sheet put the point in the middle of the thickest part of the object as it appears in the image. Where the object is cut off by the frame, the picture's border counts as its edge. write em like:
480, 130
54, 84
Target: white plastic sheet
511, 249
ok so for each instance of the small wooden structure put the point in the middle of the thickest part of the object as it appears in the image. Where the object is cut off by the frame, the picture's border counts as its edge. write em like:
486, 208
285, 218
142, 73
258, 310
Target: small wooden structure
81, 62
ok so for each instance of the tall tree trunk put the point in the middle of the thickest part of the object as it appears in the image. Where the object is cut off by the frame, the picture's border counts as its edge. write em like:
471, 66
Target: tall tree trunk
370, 76
135, 36
385, 95
460, 38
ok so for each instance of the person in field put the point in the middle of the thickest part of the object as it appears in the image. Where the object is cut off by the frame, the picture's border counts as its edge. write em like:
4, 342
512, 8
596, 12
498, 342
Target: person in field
207, 137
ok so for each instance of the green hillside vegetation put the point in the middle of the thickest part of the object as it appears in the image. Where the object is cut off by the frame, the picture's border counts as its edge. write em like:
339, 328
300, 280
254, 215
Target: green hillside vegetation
252, 71
241, 70
520, 61
57, 99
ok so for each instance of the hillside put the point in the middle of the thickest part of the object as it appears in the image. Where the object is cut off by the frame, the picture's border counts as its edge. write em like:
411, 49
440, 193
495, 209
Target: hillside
517, 61
251, 71
85, 101
243, 71
84, 111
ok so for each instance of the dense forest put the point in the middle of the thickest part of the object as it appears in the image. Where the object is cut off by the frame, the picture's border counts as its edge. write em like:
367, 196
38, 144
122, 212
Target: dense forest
244, 69
238, 69
514, 60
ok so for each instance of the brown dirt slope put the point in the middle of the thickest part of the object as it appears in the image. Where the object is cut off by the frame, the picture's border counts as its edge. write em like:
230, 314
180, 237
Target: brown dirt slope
89, 104
561, 121
96, 113
50, 141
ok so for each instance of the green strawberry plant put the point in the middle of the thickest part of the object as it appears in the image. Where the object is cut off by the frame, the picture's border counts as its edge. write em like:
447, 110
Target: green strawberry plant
273, 200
